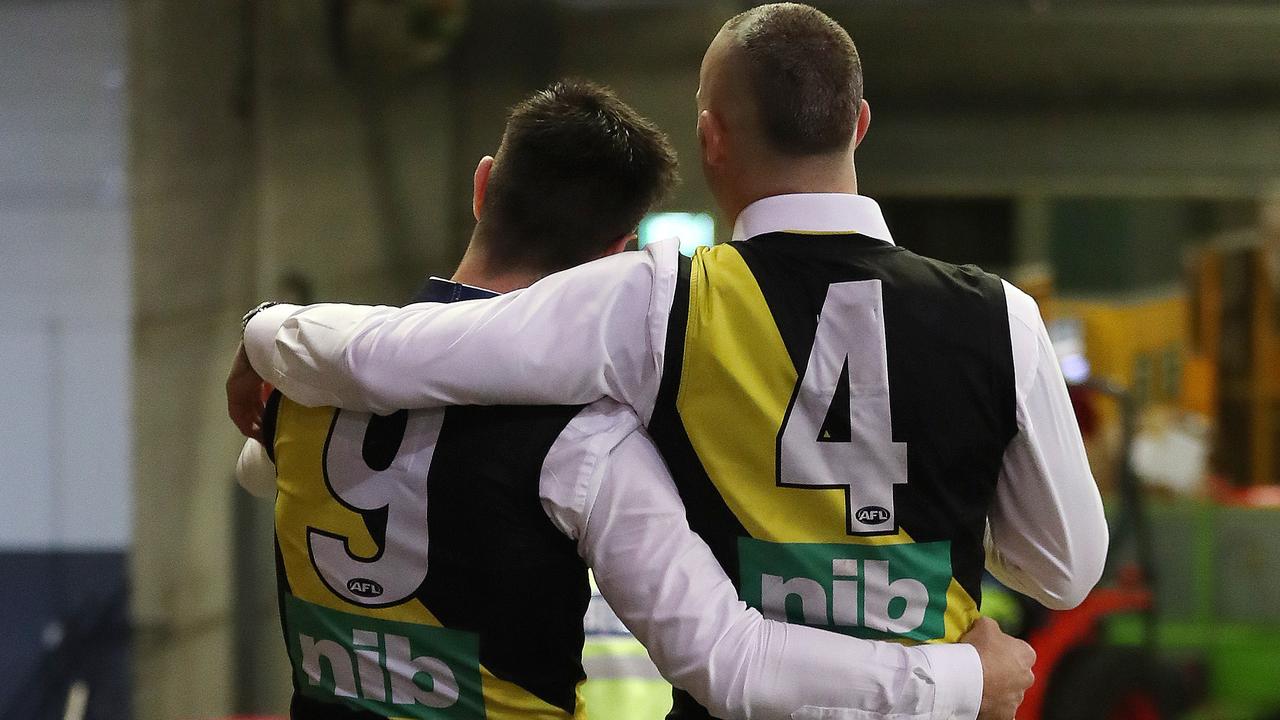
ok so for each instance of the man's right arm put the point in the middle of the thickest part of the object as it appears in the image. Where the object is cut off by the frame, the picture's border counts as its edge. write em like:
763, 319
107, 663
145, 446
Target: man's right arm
593, 331
1048, 531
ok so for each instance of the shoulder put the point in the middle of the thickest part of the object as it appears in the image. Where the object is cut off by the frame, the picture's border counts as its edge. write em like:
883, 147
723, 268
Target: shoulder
729, 252
663, 252
1026, 327
1021, 308
1027, 337
963, 283
653, 260
1024, 313
664, 261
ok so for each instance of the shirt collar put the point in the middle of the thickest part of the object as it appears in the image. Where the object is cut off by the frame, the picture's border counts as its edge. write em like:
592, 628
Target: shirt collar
813, 213
445, 291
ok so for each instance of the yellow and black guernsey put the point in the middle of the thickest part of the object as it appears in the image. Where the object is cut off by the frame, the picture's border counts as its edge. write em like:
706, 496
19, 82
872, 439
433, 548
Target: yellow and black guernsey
834, 410
418, 574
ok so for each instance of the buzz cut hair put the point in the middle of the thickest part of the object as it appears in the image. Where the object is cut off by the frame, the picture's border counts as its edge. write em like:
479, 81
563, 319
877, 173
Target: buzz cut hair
577, 170
804, 76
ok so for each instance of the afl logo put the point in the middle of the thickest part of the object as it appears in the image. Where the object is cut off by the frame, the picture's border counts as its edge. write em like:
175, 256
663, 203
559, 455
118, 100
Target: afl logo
364, 587
871, 515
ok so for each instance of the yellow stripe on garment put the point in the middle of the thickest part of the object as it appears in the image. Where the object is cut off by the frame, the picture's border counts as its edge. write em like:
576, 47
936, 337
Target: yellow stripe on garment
304, 500
961, 613
735, 385
507, 701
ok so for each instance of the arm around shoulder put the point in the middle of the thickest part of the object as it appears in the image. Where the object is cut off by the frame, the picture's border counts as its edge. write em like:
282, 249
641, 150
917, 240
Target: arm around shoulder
669, 590
573, 337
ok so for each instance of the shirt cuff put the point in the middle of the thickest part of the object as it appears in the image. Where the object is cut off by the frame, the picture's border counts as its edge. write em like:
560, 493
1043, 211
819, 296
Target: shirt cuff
260, 337
255, 472
957, 677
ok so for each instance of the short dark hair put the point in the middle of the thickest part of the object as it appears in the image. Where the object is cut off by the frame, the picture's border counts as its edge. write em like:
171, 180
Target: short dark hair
805, 77
577, 169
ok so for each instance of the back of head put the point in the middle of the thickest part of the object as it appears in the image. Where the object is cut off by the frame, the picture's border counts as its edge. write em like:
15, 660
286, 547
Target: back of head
576, 171
803, 75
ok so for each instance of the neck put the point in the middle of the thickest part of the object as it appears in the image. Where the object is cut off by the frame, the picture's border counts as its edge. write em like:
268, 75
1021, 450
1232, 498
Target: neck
477, 271
791, 176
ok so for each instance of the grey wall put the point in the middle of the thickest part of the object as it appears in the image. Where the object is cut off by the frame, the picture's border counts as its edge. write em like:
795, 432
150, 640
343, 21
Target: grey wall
64, 222
65, 436
193, 195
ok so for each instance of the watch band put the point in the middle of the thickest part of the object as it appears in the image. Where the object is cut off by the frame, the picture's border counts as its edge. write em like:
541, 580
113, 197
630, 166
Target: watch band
244, 321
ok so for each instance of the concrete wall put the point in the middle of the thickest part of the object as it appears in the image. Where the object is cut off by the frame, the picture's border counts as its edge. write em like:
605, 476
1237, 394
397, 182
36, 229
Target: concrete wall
194, 194
258, 169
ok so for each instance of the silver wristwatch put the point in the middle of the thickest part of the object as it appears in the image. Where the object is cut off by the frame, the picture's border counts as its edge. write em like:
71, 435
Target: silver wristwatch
244, 321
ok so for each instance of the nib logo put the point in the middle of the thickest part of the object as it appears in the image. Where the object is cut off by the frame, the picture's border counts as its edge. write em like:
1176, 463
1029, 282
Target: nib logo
873, 591
391, 669
372, 661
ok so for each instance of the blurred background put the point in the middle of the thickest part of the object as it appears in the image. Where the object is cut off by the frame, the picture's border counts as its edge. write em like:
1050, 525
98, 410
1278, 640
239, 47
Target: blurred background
165, 165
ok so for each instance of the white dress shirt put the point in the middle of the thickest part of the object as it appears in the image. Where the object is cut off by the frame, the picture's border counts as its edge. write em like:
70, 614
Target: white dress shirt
599, 330
604, 485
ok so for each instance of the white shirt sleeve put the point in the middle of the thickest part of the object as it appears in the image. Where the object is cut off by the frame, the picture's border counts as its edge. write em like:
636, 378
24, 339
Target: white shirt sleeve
601, 330
605, 485
1048, 534
255, 472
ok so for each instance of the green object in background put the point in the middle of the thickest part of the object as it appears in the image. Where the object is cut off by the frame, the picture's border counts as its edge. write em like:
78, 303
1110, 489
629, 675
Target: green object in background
1000, 604
1217, 598
1242, 661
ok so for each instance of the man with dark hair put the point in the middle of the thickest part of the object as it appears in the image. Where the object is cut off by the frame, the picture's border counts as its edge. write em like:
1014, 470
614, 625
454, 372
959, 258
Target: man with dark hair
848, 423
450, 575
431, 563
576, 171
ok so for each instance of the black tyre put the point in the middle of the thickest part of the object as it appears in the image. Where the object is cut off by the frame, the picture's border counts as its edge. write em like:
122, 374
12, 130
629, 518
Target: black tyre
1114, 683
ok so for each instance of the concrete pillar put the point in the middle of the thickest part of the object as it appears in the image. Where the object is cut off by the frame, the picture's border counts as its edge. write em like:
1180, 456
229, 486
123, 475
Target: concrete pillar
193, 194
260, 169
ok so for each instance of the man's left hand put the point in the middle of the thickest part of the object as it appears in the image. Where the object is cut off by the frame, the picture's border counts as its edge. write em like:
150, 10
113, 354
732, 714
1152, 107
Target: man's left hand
244, 396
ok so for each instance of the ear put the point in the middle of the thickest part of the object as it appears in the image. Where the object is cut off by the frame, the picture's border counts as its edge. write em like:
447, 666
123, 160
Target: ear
712, 139
479, 184
619, 245
864, 122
